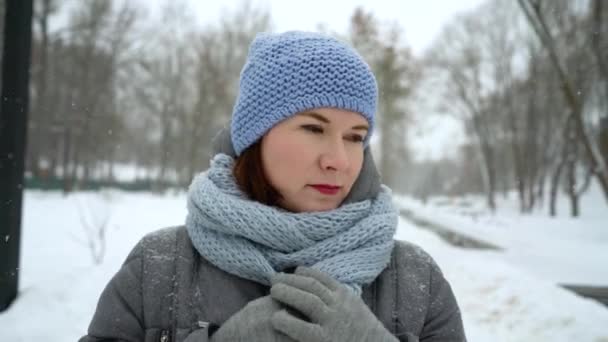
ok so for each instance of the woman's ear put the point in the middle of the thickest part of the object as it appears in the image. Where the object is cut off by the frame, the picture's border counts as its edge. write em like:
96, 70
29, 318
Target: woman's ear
367, 185
222, 142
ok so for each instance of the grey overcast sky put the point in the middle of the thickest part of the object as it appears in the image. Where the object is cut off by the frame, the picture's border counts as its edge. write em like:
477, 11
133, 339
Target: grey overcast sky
421, 19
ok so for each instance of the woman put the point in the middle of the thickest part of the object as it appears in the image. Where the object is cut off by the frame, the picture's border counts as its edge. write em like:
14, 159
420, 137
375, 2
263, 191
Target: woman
289, 234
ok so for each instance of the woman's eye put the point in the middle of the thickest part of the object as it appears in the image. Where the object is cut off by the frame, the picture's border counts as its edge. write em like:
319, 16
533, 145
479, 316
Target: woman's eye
356, 138
313, 128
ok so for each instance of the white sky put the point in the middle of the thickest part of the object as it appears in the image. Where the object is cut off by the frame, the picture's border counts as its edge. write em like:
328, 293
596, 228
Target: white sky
421, 20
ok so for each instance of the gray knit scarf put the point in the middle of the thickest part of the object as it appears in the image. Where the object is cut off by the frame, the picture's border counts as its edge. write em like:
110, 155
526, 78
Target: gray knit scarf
352, 243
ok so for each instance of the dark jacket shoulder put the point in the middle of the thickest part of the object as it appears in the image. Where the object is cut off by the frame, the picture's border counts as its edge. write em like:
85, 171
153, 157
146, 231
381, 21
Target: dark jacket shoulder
425, 293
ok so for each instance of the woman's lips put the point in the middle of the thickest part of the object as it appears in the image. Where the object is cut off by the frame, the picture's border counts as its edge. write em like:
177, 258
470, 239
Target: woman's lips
326, 189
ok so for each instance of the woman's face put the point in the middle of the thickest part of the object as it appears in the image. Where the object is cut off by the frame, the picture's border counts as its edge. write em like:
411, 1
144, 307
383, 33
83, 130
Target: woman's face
313, 158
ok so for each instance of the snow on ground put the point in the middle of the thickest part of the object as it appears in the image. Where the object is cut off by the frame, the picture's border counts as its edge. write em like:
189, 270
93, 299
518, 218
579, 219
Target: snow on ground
563, 250
500, 302
60, 285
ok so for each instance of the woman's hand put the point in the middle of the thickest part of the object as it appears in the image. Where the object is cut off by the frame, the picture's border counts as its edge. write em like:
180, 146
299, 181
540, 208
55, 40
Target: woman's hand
335, 313
252, 323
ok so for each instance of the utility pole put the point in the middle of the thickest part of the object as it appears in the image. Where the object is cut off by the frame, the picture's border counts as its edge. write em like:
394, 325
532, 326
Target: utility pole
13, 129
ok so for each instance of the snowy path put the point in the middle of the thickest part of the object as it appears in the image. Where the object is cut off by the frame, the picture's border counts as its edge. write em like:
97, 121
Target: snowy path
562, 250
458, 238
60, 286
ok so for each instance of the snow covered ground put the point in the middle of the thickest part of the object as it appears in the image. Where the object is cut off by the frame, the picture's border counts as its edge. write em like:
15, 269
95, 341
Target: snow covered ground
502, 298
501, 302
563, 250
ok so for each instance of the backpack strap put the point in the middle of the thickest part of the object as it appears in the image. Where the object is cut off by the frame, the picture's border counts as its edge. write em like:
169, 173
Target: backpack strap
397, 327
385, 283
384, 295
170, 307
188, 320
158, 282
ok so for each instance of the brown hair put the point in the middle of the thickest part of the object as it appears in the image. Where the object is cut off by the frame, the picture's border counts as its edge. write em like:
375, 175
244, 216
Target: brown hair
251, 179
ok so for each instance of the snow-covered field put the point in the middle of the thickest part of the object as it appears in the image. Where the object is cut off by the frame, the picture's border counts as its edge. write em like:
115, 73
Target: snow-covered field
503, 298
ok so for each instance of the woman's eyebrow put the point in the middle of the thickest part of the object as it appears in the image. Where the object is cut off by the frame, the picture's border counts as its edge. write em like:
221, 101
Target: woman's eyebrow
317, 116
361, 128
326, 120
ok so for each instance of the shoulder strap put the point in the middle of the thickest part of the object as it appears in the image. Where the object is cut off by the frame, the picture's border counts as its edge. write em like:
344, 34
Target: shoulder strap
384, 284
386, 294
169, 270
405, 273
187, 310
159, 281
187, 317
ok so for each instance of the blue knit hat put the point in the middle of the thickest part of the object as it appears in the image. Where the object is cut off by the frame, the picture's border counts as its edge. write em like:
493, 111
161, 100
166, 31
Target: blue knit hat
295, 71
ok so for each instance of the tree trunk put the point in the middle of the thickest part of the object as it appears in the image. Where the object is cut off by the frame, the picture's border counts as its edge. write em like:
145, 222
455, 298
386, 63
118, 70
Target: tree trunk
517, 161
603, 136
164, 145
521, 191
55, 148
571, 186
574, 205
492, 188
554, 188
33, 153
66, 174
531, 198
489, 174
540, 187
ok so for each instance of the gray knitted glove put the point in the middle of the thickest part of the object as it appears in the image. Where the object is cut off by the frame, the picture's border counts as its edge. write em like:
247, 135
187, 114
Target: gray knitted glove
252, 323
335, 313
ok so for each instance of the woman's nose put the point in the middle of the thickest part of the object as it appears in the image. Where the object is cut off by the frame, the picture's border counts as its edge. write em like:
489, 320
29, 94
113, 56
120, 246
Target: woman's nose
335, 157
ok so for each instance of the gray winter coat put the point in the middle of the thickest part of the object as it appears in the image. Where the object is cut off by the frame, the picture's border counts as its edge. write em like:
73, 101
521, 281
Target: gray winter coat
165, 290
165, 274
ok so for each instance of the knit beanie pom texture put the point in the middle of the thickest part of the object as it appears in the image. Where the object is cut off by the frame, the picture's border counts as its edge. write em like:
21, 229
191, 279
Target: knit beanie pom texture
295, 71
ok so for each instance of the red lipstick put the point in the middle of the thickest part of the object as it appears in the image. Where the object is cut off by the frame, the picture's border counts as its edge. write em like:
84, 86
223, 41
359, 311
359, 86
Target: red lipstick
326, 189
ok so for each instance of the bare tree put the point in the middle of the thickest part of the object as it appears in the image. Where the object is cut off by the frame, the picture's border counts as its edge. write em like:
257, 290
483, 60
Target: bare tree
467, 77
397, 73
40, 116
535, 14
165, 97
76, 119
496, 76
221, 53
